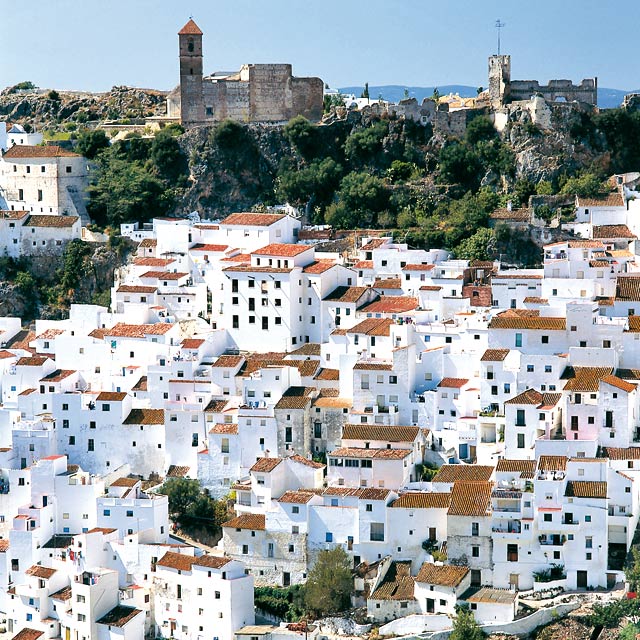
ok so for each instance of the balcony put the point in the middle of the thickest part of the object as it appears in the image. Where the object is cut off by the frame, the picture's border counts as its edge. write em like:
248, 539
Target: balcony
512, 526
552, 540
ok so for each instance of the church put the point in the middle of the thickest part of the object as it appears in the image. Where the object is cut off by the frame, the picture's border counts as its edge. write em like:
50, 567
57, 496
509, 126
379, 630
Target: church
255, 93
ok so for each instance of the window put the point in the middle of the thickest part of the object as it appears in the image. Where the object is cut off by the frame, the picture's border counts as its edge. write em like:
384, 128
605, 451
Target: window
90, 445
475, 529
544, 339
548, 517
530, 368
521, 441
518, 340
235, 322
475, 551
72, 440
328, 536
376, 533
588, 542
369, 507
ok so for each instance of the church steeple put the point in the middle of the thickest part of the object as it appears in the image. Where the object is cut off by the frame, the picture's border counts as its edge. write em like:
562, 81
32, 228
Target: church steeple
191, 98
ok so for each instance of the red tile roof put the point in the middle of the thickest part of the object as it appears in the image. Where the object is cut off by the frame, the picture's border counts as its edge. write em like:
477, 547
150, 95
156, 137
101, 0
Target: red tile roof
471, 499
444, 576
27, 633
212, 248
179, 561
119, 616
122, 330
319, 266
392, 304
265, 465
111, 396
135, 288
346, 294
190, 29
373, 327
449, 473
253, 219
382, 433
452, 383
494, 355
282, 250
145, 416
164, 275
607, 200
50, 221
423, 500
607, 231
586, 489
48, 151
254, 521
540, 323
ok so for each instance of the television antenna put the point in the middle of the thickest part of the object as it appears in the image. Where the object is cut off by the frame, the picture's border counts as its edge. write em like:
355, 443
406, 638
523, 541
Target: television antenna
499, 25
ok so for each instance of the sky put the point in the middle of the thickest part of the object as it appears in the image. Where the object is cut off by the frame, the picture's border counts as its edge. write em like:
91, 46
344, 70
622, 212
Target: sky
96, 44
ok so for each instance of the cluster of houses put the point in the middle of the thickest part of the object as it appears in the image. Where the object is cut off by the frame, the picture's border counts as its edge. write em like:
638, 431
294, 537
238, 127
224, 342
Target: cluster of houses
465, 433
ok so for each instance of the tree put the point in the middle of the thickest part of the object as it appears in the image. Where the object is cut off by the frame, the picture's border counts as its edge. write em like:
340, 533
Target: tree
91, 143
435, 96
586, 185
365, 91
459, 163
632, 570
167, 158
302, 135
480, 129
480, 246
366, 145
329, 584
465, 626
360, 198
313, 185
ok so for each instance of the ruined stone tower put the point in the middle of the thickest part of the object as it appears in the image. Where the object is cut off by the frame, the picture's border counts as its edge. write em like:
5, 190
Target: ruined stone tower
191, 97
499, 79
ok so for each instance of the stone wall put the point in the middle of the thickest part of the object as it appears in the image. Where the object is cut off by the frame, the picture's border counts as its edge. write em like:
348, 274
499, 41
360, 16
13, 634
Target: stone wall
586, 91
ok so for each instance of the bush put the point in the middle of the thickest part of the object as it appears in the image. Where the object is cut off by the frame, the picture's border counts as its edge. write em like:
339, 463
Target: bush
53, 95
91, 143
329, 585
480, 129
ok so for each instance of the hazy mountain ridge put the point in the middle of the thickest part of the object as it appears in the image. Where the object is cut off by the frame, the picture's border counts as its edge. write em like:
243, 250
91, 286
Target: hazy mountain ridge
607, 98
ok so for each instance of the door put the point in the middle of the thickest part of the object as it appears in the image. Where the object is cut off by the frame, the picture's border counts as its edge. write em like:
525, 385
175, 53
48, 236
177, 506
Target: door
286, 579
514, 579
581, 580
476, 578
431, 605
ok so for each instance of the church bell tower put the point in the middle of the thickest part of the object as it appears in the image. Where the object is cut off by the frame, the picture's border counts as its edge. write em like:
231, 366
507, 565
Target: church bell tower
191, 97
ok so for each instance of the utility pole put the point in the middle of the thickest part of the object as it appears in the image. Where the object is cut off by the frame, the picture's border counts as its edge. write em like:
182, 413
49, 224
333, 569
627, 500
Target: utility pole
499, 25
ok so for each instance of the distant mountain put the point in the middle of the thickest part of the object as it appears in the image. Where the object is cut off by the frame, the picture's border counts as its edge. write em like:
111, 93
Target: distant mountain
607, 98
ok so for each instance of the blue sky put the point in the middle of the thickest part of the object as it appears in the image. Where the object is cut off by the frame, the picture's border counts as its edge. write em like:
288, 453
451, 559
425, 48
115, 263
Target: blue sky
93, 45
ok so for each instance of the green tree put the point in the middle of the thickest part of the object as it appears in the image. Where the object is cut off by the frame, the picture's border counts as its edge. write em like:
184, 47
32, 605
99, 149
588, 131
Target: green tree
586, 185
365, 91
465, 626
313, 185
544, 188
399, 171
632, 570
435, 96
480, 246
168, 159
459, 164
480, 129
360, 198
365, 145
229, 135
53, 95
91, 142
329, 584
303, 136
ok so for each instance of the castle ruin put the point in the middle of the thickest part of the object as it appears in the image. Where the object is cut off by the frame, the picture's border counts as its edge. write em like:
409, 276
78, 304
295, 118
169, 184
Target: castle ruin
255, 93
503, 90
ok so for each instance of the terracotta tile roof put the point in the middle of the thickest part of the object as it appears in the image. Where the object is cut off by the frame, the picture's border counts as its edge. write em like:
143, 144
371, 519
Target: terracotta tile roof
633, 324
148, 261
295, 398
164, 275
535, 300
365, 365
584, 378
517, 276
49, 334
463, 472
373, 327
213, 248
238, 257
148, 242
329, 393
332, 403
397, 584
623, 385
297, 497
119, 616
211, 562
48, 151
4, 545
179, 561
32, 361
64, 594
145, 416
12, 215
539, 323
520, 215
628, 288
253, 219
319, 266
123, 330
308, 349
432, 287
111, 396
216, 406
39, 571
175, 471
190, 29
50, 221
452, 383
363, 264
494, 355
328, 374
346, 294
246, 268
58, 375
586, 489
141, 385
392, 304
4, 354
381, 433
282, 250
531, 396
527, 467
230, 429
378, 454
125, 482
418, 267
489, 595
387, 283
585, 244
552, 463
135, 288
628, 374
103, 530
230, 362
423, 500
607, 231
597, 263
253, 521
619, 453
306, 462
265, 465
27, 633
471, 499
606, 200
445, 576
374, 243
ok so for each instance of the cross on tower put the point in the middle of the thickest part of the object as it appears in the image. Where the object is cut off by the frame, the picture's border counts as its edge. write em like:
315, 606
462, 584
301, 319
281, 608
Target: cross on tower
499, 25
